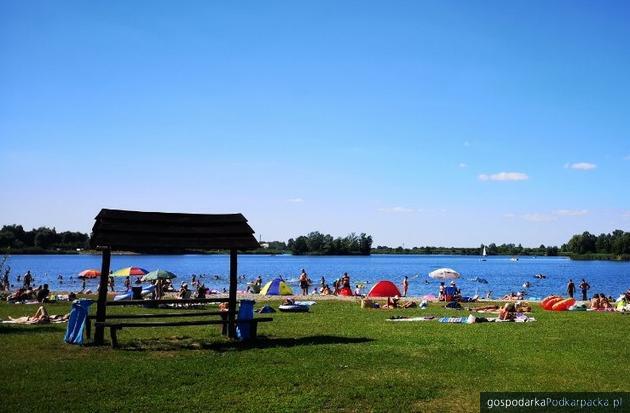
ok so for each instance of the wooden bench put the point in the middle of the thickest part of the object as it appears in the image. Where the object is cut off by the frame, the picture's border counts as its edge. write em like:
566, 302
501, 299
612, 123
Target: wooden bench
114, 327
88, 325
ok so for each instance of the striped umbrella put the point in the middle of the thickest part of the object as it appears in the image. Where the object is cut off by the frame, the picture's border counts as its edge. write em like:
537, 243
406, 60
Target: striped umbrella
91, 273
126, 272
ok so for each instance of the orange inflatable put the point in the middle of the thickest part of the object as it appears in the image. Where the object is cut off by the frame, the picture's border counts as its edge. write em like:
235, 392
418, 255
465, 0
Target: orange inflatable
543, 303
563, 305
549, 304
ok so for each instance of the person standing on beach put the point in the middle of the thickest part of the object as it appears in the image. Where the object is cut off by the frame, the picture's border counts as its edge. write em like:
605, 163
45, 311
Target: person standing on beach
127, 283
405, 285
585, 286
570, 288
304, 282
345, 280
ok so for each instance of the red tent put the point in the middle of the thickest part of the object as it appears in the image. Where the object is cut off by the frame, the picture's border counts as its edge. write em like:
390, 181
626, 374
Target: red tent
384, 288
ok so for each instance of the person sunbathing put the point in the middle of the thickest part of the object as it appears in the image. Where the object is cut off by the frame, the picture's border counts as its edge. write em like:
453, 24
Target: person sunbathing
595, 304
41, 317
392, 302
510, 296
490, 308
508, 312
604, 302
523, 307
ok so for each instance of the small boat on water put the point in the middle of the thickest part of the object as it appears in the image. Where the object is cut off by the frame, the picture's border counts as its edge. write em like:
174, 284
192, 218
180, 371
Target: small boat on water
514, 259
483, 254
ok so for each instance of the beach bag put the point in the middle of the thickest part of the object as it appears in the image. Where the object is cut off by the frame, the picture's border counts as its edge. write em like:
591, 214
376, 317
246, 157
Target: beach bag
453, 305
266, 309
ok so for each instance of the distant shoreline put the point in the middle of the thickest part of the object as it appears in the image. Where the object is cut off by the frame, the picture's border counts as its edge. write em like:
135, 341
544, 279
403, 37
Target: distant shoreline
583, 257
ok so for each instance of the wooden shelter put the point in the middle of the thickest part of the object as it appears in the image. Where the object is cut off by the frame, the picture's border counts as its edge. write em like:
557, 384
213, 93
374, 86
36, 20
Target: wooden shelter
159, 232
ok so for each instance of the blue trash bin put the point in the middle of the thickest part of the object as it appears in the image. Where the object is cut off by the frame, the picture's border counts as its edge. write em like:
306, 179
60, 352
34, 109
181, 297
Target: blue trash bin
245, 312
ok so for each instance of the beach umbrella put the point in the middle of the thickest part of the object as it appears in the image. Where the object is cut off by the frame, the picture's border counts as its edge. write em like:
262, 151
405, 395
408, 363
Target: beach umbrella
158, 275
276, 287
444, 274
91, 273
126, 272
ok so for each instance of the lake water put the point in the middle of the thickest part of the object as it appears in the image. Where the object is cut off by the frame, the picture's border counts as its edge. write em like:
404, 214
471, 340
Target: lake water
502, 274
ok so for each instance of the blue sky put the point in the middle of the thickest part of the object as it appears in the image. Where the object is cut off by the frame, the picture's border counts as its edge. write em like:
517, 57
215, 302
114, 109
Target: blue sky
434, 122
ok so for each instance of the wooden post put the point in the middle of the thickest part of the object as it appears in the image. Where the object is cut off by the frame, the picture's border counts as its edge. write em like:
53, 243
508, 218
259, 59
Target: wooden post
101, 305
232, 296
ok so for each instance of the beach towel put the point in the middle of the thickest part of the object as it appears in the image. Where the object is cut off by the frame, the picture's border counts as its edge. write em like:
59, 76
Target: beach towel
76, 322
456, 320
400, 318
53, 319
309, 303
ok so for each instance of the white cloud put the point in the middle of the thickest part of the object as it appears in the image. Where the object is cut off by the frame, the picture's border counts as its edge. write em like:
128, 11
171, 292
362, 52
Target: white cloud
463, 165
398, 210
538, 217
509, 215
504, 176
466, 143
570, 212
581, 166
295, 200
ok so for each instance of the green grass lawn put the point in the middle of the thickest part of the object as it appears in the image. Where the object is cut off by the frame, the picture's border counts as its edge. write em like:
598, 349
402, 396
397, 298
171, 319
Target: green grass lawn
337, 357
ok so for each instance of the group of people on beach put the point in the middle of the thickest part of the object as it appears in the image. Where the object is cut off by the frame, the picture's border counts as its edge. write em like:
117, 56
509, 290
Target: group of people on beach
324, 289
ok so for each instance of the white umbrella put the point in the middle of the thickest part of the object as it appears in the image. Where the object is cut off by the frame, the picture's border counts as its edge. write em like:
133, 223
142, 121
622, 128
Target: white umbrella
444, 274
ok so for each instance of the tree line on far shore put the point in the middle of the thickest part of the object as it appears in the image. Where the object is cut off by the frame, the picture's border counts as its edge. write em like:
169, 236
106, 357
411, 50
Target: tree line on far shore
42, 239
316, 243
614, 245
491, 249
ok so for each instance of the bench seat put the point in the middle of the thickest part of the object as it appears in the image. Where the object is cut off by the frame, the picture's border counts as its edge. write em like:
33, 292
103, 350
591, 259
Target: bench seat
115, 326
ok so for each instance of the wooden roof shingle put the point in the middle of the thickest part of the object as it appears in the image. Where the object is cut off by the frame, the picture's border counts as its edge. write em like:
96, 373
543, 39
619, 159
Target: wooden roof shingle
160, 231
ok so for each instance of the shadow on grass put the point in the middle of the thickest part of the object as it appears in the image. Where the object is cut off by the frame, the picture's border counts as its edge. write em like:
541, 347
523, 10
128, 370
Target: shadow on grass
28, 328
188, 343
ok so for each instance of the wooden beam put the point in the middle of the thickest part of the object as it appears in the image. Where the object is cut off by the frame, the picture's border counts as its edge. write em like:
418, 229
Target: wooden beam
167, 301
232, 295
101, 305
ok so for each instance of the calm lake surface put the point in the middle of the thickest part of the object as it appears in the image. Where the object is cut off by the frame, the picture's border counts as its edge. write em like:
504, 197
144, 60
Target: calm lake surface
502, 274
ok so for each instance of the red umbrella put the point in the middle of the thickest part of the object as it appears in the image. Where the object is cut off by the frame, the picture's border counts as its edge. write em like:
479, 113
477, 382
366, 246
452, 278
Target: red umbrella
91, 273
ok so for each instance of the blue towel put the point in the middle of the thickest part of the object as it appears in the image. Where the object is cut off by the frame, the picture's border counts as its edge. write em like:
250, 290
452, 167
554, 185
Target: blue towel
76, 322
456, 320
